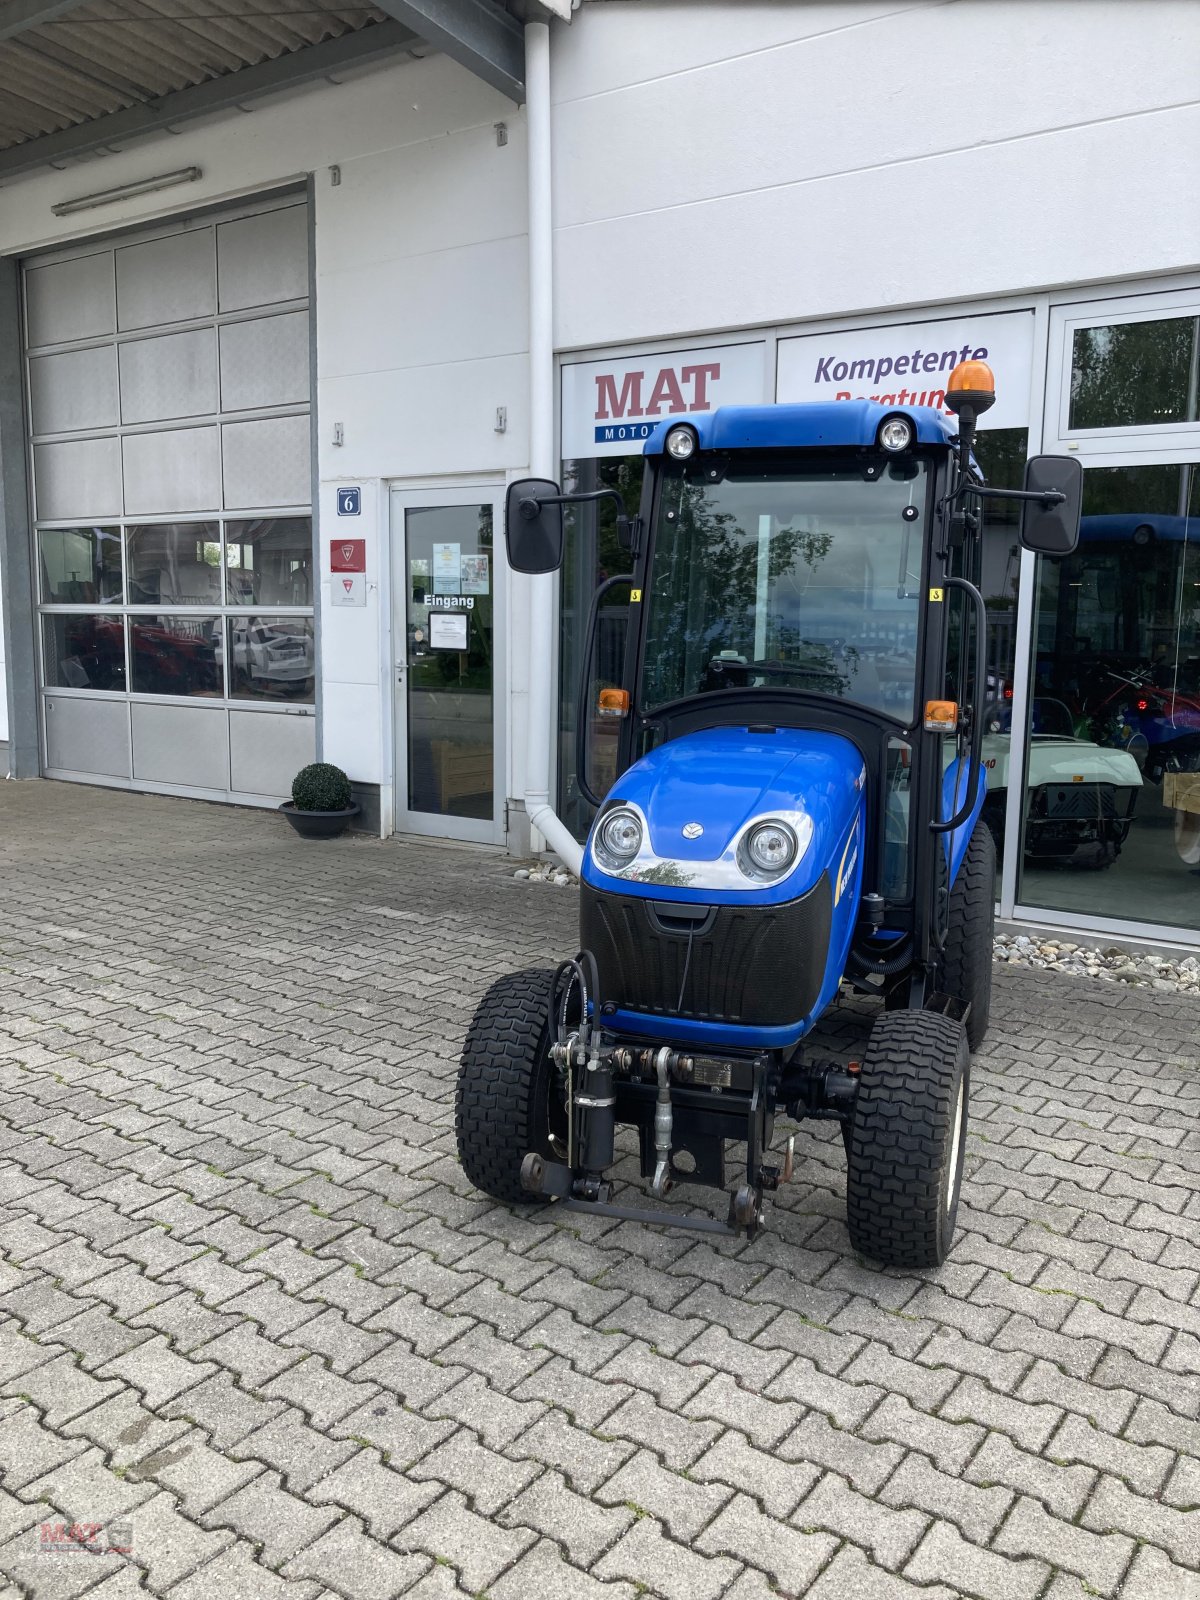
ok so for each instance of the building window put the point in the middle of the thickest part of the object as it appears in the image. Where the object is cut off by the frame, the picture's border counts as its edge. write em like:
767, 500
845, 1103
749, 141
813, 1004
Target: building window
177, 621
1134, 374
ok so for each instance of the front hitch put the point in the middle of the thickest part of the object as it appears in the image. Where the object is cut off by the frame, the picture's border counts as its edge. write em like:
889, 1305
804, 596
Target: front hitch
679, 1103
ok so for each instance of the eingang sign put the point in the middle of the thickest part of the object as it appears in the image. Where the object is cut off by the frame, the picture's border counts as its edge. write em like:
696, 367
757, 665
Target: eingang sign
609, 408
909, 364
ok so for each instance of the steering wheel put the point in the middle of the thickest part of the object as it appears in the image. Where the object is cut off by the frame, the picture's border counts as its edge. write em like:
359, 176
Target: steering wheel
718, 667
793, 669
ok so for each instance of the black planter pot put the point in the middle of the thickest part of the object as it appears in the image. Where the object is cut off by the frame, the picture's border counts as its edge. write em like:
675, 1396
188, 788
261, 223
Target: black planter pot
319, 824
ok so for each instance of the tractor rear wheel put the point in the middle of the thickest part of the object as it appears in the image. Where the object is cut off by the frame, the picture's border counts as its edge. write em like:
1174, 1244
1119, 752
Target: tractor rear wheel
965, 970
508, 1100
907, 1139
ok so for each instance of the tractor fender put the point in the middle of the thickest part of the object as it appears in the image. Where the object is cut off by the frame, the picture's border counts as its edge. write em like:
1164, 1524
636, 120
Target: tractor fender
955, 788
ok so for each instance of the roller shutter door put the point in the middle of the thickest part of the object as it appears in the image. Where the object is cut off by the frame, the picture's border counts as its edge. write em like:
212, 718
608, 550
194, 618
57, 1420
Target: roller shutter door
169, 398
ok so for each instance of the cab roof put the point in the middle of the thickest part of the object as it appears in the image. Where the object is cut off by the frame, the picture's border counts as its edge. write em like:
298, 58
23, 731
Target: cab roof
832, 424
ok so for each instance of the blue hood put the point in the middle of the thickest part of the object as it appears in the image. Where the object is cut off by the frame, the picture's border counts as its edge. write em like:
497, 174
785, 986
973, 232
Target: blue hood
721, 779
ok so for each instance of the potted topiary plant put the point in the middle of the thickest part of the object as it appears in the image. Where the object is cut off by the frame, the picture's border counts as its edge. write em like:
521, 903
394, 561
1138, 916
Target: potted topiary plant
321, 806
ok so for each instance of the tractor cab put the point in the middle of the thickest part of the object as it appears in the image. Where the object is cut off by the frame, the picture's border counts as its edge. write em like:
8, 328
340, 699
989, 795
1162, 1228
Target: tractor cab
796, 807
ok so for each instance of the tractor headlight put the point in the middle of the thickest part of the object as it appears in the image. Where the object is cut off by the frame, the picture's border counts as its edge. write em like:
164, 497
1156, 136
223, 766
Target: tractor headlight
770, 848
618, 838
895, 434
681, 443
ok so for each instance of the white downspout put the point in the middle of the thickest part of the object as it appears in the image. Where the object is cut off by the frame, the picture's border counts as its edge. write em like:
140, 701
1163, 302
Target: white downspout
541, 590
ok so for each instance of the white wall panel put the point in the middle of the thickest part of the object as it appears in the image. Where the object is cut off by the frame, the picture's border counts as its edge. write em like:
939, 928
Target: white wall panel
184, 745
70, 299
821, 176
454, 305
666, 39
165, 280
267, 463
895, 242
174, 375
435, 195
265, 362
174, 470
87, 735
263, 259
267, 750
424, 421
78, 478
835, 103
351, 722
74, 389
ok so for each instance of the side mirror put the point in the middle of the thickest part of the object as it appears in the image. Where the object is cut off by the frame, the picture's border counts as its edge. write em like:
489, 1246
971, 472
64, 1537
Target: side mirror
1052, 530
533, 525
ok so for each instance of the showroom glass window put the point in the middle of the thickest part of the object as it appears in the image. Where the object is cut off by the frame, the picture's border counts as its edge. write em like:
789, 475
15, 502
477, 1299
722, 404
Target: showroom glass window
1112, 813
214, 610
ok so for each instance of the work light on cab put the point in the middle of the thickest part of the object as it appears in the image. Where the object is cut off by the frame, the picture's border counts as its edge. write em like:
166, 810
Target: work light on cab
895, 434
681, 443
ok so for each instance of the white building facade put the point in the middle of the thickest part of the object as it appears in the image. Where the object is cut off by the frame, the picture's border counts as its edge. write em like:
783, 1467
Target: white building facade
256, 424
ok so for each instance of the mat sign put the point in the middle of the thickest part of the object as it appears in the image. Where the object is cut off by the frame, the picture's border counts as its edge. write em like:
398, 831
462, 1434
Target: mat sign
611, 407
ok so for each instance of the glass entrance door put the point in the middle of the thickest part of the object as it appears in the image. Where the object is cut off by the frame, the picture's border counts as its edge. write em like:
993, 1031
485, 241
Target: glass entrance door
447, 678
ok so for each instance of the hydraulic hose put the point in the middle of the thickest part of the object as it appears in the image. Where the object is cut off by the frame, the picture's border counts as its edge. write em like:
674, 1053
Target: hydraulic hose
882, 968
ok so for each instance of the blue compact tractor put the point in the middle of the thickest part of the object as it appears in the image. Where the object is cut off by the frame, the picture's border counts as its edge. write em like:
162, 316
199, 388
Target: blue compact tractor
797, 808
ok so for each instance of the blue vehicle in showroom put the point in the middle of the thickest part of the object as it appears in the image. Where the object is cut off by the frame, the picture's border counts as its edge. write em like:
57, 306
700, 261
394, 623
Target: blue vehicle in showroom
796, 808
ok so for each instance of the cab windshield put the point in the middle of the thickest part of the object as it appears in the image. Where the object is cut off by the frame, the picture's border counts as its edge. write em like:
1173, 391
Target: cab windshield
804, 580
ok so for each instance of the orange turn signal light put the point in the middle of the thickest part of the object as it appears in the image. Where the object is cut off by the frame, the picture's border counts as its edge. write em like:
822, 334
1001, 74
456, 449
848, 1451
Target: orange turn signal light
613, 703
941, 716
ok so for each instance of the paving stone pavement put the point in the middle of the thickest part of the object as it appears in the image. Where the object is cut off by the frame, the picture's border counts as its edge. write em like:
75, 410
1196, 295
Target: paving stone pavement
258, 1332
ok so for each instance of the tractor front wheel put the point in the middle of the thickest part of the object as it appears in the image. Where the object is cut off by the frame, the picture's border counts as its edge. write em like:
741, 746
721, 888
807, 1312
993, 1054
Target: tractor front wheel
907, 1139
508, 1100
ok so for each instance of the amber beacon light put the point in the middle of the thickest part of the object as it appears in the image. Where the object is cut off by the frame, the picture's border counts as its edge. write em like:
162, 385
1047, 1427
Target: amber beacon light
971, 384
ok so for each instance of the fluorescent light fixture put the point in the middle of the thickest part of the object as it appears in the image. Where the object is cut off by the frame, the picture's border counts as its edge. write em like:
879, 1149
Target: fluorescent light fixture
125, 191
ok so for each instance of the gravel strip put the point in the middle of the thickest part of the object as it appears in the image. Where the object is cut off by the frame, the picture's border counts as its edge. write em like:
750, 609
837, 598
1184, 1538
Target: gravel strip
1180, 975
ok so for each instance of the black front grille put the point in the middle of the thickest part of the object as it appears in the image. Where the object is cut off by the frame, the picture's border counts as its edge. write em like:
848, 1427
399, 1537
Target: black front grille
756, 966
1083, 802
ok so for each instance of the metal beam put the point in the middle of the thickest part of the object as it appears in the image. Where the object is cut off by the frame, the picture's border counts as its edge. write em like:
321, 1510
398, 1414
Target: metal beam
475, 33
18, 15
301, 66
16, 573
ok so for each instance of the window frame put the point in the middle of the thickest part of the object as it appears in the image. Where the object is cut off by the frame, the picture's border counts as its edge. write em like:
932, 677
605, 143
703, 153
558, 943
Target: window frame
1121, 440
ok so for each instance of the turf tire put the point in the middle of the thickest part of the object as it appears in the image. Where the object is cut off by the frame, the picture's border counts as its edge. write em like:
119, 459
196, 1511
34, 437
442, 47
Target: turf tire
965, 970
503, 1103
907, 1140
